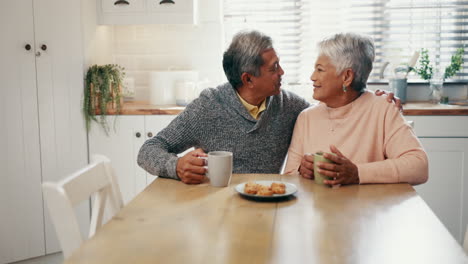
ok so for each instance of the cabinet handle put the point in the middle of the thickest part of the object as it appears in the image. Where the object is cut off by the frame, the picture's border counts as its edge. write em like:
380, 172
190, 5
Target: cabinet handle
167, 2
138, 134
44, 47
27, 47
121, 2
150, 135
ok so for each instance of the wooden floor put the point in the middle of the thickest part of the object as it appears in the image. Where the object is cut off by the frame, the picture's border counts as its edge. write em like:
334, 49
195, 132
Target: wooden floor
56, 258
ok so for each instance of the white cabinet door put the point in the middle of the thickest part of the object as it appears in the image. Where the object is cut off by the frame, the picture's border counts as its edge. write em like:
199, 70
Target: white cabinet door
44, 136
179, 12
121, 147
21, 209
59, 67
440, 126
154, 124
125, 7
446, 191
137, 12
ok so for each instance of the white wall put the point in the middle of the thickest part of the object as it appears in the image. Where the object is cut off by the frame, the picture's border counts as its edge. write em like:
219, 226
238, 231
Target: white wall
97, 40
144, 48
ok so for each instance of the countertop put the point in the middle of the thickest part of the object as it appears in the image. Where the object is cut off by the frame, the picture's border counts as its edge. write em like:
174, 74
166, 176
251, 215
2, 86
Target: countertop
410, 108
426, 108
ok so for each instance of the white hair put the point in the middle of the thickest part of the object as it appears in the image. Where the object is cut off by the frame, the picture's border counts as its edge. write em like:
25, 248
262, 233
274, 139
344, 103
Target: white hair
350, 50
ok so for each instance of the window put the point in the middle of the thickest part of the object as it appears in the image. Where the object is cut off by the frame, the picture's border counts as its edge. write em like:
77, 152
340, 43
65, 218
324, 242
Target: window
280, 19
398, 27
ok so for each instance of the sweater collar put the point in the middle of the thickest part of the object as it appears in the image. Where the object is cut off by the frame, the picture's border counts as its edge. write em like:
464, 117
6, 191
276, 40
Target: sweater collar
234, 104
254, 110
342, 111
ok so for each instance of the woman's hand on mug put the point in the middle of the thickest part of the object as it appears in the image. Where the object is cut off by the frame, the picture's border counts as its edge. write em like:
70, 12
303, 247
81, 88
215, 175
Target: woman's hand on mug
190, 168
306, 169
343, 171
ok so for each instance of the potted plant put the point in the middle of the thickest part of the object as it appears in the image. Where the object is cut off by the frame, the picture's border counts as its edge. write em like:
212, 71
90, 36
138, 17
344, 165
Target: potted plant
435, 77
102, 93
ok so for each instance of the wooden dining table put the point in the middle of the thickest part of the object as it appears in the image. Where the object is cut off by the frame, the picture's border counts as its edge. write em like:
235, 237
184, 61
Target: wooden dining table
171, 222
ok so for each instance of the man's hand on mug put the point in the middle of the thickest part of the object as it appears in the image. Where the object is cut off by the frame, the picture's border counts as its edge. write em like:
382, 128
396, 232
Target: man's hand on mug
307, 166
190, 168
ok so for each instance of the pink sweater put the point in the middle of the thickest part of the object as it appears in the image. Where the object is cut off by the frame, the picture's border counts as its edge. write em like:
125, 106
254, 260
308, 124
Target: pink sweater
370, 132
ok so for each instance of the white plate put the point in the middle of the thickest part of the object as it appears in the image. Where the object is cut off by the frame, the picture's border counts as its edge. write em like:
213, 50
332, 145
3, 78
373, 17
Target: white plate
290, 190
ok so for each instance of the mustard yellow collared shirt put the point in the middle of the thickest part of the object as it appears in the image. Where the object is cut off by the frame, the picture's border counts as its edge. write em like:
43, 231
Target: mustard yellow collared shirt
254, 110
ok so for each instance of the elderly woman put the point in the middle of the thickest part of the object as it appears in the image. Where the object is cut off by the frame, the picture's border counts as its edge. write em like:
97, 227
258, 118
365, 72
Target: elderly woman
371, 140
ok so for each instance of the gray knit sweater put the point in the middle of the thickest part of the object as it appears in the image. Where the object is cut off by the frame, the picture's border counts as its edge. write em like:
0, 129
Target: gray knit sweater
217, 120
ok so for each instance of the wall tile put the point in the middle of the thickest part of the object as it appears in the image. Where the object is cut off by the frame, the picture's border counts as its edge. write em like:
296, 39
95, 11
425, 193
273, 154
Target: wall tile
144, 48
209, 10
141, 78
126, 61
142, 93
163, 62
128, 47
124, 32
212, 78
143, 32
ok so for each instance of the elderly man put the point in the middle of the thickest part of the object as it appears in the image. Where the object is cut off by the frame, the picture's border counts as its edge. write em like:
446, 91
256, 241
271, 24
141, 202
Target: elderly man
250, 116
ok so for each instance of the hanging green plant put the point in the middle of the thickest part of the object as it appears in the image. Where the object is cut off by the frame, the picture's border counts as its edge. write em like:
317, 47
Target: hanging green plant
103, 92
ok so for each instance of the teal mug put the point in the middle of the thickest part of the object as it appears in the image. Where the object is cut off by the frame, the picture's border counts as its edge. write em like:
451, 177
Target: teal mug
399, 87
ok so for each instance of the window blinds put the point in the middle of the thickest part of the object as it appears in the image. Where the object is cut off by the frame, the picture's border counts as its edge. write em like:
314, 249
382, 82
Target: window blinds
398, 27
280, 19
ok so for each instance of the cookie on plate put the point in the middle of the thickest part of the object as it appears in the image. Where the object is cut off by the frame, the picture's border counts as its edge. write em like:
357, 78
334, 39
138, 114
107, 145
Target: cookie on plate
265, 191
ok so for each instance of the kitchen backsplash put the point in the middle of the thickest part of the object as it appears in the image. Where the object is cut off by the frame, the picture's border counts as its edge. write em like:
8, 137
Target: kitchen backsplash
141, 49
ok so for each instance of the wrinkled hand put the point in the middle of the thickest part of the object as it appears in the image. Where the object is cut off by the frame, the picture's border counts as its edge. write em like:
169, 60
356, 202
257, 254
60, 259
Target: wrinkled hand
390, 98
190, 168
343, 172
307, 166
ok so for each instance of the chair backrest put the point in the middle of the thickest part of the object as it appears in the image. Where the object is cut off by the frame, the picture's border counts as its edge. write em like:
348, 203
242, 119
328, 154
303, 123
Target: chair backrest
465, 243
97, 181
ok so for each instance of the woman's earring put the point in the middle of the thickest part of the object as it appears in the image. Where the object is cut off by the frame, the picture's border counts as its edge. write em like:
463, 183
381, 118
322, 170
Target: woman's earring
344, 88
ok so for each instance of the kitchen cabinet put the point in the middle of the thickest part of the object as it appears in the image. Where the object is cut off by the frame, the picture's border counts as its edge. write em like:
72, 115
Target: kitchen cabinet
43, 135
121, 146
134, 12
445, 140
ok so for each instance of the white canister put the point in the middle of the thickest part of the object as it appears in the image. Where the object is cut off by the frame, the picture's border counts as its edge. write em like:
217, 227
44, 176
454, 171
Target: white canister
128, 88
163, 85
184, 92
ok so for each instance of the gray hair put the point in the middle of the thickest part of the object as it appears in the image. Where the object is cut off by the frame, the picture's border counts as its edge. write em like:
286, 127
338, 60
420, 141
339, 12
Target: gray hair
245, 55
349, 50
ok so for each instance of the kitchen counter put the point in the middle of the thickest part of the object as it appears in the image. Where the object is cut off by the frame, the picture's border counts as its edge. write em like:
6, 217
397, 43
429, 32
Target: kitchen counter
145, 108
410, 108
425, 108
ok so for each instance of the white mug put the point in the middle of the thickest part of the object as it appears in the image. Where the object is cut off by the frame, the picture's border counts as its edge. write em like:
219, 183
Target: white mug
219, 168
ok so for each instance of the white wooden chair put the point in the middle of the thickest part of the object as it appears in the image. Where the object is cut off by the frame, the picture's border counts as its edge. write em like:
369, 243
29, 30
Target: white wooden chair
97, 181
